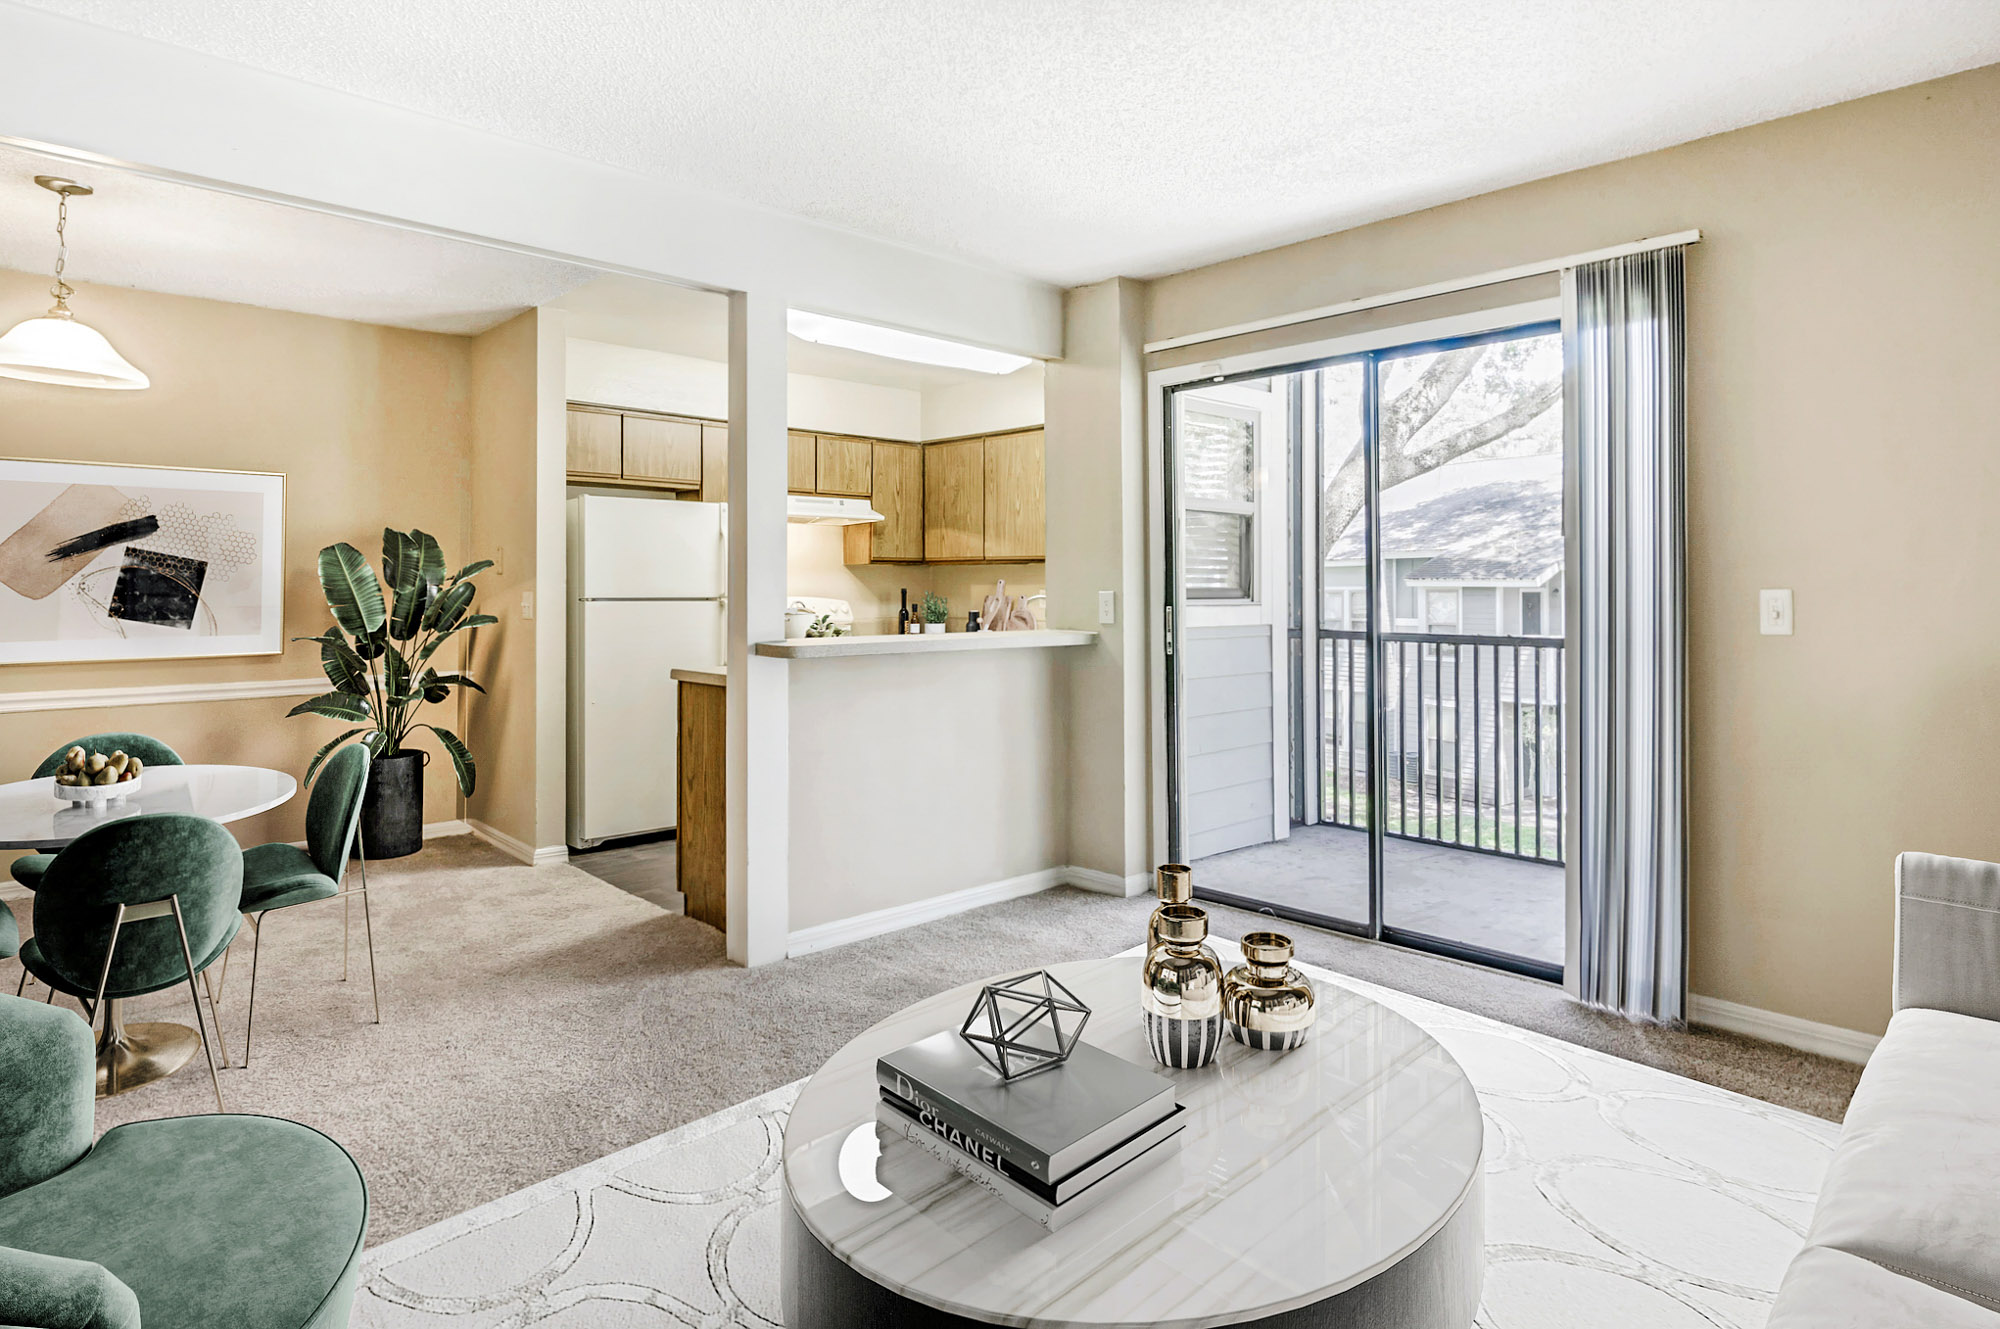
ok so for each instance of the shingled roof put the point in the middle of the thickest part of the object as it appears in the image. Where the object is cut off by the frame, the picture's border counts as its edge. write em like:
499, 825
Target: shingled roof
1500, 532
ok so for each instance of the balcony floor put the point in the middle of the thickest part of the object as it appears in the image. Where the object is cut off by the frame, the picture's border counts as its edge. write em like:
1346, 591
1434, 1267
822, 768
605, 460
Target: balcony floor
1501, 904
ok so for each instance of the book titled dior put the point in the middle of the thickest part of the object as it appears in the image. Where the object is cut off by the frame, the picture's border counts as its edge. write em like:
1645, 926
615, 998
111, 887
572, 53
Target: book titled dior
1045, 1126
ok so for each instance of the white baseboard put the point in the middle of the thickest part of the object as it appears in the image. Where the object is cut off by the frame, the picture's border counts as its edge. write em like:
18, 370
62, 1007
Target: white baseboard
1108, 883
515, 848
1828, 1040
843, 930
433, 830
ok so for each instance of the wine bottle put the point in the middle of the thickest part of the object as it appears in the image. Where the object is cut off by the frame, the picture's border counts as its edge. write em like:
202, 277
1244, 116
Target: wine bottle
903, 618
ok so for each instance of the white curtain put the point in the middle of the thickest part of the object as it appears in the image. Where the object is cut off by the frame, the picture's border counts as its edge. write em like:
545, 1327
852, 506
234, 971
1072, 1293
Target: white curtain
1625, 414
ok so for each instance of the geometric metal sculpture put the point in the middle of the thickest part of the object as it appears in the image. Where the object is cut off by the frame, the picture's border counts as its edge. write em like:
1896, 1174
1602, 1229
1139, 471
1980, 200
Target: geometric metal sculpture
1029, 1023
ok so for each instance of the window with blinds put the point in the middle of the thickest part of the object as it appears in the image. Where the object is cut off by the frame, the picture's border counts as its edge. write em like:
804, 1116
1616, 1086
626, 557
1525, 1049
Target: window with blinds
1218, 481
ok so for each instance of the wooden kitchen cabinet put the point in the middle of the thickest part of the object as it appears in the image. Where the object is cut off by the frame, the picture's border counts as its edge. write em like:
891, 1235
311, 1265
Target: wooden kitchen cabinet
662, 453
897, 493
955, 501
595, 450
846, 466
802, 463
1016, 497
714, 463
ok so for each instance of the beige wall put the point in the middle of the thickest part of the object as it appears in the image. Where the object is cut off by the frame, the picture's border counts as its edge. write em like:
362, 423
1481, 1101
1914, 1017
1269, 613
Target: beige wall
913, 776
1842, 423
369, 426
501, 725
1096, 506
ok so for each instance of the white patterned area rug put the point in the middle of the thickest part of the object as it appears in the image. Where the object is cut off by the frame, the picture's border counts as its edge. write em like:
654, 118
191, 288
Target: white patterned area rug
1616, 1195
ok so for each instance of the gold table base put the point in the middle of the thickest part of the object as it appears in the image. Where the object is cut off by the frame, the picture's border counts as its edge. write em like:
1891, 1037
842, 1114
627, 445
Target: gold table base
130, 1055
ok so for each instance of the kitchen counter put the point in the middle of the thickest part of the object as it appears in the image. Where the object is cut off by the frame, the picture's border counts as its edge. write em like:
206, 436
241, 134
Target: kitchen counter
714, 678
939, 643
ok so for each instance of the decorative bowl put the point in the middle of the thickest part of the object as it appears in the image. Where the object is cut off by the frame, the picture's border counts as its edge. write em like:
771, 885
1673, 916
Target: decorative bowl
83, 795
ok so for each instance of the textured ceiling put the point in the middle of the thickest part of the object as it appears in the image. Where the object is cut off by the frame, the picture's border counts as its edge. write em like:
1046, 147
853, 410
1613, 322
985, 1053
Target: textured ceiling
1078, 139
160, 236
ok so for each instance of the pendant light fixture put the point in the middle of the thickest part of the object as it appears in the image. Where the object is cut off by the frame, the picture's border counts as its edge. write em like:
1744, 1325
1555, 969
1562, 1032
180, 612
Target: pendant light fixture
55, 348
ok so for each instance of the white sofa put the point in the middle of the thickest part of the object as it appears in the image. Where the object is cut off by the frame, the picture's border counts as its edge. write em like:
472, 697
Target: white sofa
1907, 1231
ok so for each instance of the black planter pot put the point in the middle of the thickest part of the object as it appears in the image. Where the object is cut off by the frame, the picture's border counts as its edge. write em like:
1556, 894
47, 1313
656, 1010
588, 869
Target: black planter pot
392, 811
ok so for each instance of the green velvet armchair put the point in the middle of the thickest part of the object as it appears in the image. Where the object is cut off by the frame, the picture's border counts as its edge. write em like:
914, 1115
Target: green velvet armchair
179, 1222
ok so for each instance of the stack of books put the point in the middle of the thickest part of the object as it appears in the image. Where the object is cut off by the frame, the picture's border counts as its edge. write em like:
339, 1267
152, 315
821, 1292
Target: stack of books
1052, 1144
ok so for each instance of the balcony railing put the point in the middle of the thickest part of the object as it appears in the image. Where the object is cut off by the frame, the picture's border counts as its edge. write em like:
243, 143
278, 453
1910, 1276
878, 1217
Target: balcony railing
1473, 731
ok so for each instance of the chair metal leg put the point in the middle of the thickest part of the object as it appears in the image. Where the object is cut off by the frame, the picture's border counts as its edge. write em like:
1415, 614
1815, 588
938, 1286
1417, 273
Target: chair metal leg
346, 926
104, 975
222, 983
256, 949
22, 986
195, 993
221, 1043
368, 923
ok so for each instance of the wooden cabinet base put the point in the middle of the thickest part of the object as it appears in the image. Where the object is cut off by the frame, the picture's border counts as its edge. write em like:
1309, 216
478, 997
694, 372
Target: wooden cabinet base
701, 856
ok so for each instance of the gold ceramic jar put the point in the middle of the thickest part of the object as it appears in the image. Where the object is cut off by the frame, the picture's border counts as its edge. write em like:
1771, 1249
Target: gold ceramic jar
1180, 991
1174, 883
1267, 1002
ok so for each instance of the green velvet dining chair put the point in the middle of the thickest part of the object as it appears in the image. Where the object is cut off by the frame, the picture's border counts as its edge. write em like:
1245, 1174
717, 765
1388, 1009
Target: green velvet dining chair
137, 906
28, 869
278, 876
189, 1222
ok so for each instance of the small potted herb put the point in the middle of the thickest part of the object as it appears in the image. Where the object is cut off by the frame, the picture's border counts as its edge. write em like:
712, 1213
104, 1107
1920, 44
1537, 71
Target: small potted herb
936, 611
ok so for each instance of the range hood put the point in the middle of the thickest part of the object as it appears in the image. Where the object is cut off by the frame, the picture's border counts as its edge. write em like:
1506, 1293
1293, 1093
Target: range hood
817, 510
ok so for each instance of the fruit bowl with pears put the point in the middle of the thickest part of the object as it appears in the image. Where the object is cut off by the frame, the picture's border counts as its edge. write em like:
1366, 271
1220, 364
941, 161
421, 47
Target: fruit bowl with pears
93, 777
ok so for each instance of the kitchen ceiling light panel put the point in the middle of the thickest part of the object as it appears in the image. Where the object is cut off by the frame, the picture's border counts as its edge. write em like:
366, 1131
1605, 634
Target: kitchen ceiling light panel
873, 339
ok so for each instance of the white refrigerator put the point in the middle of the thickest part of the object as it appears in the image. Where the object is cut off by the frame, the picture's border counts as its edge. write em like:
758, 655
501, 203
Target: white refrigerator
646, 580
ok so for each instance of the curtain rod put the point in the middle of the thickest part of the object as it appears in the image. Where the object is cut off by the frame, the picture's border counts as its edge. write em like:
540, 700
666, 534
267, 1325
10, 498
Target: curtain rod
1493, 278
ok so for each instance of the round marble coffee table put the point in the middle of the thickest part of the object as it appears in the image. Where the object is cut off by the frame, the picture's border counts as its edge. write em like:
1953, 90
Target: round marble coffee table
1337, 1184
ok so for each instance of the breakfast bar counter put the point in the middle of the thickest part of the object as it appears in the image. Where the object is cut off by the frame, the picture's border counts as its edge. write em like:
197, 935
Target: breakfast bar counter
935, 643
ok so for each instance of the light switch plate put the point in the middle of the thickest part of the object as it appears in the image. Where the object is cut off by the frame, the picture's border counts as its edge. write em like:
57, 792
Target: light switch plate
527, 604
1774, 613
1107, 606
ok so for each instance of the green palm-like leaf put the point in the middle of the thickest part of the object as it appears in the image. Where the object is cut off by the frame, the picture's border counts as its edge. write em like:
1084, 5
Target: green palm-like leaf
344, 669
453, 681
461, 758
312, 768
402, 564
352, 592
473, 621
396, 675
334, 706
450, 606
430, 559
468, 570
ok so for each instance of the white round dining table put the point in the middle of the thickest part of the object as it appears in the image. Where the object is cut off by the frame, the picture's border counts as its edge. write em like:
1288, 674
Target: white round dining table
31, 817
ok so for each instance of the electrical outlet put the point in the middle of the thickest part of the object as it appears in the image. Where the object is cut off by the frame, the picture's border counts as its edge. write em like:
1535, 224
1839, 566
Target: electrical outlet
1107, 606
527, 604
1774, 613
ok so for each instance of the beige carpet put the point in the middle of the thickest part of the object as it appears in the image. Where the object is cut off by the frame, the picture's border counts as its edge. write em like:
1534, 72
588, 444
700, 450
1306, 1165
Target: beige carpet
537, 1019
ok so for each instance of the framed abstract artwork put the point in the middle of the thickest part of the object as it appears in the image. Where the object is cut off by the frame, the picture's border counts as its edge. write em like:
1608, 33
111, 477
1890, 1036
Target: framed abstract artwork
139, 562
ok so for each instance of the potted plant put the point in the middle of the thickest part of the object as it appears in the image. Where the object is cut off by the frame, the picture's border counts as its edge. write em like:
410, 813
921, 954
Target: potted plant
378, 657
936, 611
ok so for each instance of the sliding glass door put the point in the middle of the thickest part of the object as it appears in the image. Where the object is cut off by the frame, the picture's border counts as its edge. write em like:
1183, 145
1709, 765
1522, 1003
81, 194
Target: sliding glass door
1365, 668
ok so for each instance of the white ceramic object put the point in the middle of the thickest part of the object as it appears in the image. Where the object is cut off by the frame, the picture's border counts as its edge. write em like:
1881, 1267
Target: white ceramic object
1301, 1175
935, 627
82, 795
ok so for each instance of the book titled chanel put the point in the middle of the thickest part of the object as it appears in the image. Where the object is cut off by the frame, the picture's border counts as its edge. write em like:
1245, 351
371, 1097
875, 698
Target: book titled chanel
1044, 1126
